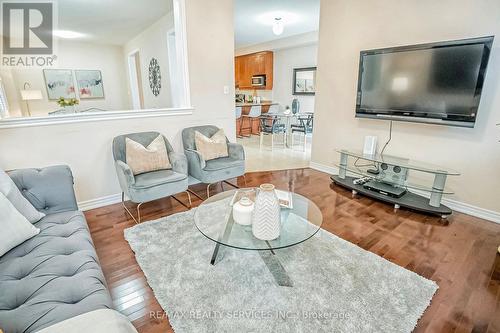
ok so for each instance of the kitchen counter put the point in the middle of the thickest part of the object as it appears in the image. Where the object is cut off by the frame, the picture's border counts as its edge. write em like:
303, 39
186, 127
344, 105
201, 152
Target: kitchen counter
252, 125
265, 103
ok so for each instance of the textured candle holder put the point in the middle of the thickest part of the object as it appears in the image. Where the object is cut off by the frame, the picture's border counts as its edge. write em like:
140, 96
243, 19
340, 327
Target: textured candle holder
242, 211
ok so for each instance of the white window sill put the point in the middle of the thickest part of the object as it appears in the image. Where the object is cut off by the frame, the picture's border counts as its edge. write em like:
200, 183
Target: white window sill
92, 116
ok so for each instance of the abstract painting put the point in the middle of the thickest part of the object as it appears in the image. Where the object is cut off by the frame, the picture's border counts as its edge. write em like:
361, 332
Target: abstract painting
89, 84
59, 83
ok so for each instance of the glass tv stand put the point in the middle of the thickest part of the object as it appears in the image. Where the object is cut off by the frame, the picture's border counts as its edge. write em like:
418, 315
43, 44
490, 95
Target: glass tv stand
385, 178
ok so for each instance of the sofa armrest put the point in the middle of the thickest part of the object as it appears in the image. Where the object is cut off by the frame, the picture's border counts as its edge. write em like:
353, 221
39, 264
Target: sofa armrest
196, 163
97, 321
49, 190
125, 175
195, 155
179, 162
236, 151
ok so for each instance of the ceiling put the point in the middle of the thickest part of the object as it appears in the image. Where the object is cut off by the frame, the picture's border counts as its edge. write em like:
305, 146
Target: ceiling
253, 19
110, 21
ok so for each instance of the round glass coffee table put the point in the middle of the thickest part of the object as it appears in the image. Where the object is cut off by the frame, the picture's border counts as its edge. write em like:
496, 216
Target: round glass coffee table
213, 218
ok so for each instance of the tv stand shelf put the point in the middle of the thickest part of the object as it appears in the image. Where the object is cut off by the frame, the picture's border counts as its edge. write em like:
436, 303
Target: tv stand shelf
387, 178
408, 200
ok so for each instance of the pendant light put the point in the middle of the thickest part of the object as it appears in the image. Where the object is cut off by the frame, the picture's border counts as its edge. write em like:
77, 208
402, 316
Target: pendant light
278, 26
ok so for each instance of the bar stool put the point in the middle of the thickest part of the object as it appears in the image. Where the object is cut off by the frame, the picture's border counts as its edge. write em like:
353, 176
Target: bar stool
274, 109
237, 114
255, 112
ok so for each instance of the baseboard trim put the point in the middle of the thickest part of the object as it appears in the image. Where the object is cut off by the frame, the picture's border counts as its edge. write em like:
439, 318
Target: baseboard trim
455, 205
100, 202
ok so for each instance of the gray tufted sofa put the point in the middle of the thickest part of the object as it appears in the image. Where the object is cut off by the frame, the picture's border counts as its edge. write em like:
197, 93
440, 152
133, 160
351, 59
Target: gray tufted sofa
55, 275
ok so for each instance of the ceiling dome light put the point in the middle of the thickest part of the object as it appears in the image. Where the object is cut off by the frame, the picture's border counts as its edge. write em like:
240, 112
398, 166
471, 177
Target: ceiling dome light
278, 26
67, 34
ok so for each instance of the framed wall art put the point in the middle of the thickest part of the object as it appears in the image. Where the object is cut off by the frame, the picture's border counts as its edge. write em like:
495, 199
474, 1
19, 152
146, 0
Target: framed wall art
89, 84
59, 83
304, 81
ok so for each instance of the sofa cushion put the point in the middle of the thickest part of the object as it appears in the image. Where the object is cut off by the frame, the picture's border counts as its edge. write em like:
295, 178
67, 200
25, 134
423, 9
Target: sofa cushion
223, 163
155, 178
15, 228
49, 190
52, 276
11, 191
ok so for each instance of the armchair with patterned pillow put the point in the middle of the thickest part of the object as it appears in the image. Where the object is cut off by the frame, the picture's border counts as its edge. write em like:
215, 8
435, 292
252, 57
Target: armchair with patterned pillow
220, 165
148, 169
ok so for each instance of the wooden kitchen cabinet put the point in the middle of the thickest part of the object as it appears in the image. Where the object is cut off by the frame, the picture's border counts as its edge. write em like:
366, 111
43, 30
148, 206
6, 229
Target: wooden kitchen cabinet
246, 66
237, 75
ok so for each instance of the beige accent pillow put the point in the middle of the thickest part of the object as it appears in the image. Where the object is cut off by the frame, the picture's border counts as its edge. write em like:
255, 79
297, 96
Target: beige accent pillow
142, 159
211, 148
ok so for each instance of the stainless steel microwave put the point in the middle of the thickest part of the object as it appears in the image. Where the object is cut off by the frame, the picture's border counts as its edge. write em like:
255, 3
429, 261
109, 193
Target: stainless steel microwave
258, 81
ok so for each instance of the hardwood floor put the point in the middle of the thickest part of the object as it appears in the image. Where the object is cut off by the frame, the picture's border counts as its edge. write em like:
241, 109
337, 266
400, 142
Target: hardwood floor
459, 254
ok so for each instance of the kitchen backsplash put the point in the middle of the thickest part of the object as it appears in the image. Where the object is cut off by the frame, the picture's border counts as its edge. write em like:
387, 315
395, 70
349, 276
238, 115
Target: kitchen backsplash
266, 95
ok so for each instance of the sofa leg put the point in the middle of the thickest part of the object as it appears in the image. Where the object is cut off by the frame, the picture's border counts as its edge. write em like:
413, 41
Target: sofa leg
138, 220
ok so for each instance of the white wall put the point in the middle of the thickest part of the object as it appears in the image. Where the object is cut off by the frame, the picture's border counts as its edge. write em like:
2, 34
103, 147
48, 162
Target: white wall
72, 55
285, 61
86, 147
307, 38
348, 26
152, 43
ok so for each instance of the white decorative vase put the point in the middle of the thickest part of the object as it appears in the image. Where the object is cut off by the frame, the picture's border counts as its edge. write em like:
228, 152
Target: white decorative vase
242, 211
266, 216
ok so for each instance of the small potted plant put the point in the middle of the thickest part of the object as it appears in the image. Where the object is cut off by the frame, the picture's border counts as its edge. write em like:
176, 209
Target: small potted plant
68, 103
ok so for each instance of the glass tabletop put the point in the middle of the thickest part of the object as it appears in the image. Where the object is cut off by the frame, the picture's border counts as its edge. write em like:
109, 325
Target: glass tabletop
214, 219
402, 162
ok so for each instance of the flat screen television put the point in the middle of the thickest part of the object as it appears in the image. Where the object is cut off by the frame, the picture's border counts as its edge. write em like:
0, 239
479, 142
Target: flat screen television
438, 83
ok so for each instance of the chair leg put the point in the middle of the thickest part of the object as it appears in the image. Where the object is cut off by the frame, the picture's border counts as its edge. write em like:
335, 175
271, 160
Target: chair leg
208, 190
182, 203
195, 194
238, 134
235, 186
249, 122
138, 220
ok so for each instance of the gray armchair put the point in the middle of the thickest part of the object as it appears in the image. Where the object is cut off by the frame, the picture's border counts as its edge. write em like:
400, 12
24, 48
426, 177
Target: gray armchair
216, 170
151, 185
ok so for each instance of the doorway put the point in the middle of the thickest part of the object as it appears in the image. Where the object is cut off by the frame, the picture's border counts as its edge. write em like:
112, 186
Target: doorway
135, 80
